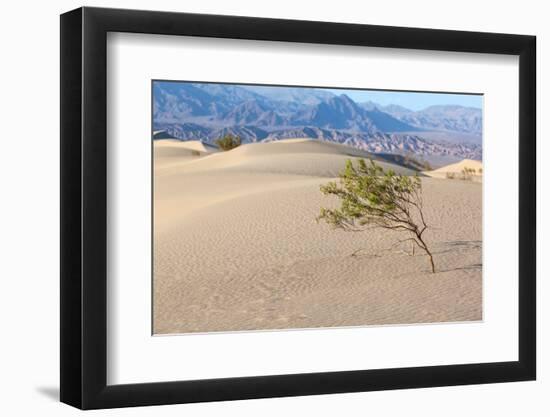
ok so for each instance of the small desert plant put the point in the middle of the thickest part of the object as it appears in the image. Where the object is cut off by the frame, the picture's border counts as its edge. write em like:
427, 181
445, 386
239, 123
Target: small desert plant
450, 175
467, 173
195, 153
228, 142
372, 197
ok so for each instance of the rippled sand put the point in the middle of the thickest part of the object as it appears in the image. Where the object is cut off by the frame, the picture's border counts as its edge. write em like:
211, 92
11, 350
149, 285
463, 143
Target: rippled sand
237, 247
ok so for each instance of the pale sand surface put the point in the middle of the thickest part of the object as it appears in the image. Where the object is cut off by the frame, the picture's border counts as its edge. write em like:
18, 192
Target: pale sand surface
237, 247
457, 168
168, 152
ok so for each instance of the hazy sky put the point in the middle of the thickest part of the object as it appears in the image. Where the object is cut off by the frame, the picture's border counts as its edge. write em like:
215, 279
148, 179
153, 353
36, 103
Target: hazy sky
413, 101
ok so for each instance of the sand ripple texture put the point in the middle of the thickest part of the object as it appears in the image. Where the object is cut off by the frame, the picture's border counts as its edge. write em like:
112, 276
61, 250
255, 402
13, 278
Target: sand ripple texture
237, 247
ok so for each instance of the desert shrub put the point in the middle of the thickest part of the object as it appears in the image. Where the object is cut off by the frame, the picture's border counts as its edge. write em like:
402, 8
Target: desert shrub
228, 142
450, 175
467, 173
372, 197
195, 153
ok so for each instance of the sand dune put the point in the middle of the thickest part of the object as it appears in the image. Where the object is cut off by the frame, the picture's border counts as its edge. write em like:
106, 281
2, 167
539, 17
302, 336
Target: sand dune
290, 157
168, 152
200, 146
457, 169
184, 183
237, 247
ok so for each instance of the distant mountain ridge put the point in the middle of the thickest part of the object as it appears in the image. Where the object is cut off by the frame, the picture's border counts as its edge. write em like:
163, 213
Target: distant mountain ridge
447, 118
398, 143
208, 111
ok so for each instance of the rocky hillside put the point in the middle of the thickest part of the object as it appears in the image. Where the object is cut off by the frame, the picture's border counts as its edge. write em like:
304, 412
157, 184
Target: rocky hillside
207, 111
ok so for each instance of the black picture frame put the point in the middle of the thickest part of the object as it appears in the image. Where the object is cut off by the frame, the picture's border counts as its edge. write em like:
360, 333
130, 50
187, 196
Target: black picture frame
84, 207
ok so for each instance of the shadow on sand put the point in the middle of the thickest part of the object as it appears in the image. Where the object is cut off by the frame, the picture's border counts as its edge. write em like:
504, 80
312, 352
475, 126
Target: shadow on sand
458, 245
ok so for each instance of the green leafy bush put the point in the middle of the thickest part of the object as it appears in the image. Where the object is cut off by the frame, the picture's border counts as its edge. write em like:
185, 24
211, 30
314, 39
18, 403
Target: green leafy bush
228, 142
372, 197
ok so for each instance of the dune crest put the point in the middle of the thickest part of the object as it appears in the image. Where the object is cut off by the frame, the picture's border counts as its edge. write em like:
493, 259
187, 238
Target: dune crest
309, 157
170, 152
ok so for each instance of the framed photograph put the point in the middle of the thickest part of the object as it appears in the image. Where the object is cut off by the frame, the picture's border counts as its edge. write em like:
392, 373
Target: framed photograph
257, 208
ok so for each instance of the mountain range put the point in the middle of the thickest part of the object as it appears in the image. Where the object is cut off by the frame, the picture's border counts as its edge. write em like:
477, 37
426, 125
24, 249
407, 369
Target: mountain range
207, 111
